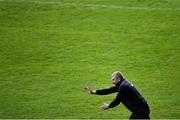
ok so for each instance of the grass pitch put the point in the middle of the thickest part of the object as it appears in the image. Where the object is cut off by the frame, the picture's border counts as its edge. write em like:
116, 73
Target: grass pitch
50, 50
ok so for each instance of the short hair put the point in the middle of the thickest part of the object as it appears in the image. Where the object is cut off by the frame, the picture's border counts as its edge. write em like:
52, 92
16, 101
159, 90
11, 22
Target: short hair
118, 75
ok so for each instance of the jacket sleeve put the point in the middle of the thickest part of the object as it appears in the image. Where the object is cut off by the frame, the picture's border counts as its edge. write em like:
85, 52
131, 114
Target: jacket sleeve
107, 91
118, 98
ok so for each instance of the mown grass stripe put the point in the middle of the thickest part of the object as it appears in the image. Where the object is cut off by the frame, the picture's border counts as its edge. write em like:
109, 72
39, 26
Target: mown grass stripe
95, 6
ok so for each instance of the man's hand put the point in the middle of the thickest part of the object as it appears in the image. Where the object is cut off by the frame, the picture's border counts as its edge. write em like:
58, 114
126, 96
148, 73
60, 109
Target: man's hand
89, 90
105, 106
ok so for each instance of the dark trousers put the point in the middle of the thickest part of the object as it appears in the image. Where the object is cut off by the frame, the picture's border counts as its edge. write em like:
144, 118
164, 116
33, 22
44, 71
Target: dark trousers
139, 116
142, 113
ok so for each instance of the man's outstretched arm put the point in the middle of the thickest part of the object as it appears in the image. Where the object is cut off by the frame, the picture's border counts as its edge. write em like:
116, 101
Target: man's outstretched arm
103, 91
107, 91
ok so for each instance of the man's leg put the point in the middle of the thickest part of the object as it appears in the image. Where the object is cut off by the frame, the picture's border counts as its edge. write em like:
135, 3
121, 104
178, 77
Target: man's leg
133, 116
139, 116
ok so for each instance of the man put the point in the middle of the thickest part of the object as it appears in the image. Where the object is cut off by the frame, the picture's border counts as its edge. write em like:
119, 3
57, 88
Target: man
127, 94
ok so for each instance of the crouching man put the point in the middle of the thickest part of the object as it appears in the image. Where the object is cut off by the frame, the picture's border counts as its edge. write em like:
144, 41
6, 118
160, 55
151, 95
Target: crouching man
127, 94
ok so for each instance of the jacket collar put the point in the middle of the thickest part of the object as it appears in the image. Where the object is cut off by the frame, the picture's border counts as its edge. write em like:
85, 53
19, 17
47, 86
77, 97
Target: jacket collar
119, 83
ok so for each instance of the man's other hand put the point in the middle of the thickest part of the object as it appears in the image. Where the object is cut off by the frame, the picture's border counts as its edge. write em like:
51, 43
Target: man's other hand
105, 106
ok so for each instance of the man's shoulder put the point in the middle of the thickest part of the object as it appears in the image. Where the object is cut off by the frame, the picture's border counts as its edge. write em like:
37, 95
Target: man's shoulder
125, 84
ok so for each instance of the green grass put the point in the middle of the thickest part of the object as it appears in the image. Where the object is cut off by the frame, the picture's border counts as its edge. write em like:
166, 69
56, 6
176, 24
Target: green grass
49, 52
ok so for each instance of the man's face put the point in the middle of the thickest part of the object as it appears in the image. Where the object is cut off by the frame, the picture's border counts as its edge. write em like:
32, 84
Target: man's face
115, 80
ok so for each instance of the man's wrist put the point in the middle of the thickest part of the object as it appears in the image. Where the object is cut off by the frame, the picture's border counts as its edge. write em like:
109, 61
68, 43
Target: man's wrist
107, 106
93, 92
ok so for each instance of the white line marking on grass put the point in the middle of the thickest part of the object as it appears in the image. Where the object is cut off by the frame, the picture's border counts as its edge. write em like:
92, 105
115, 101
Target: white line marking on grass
95, 6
